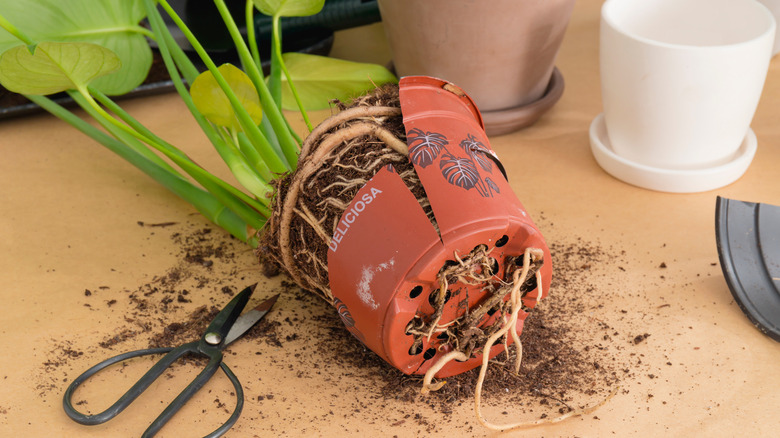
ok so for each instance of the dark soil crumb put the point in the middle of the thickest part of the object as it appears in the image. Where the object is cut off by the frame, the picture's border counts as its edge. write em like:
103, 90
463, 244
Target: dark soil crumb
567, 362
572, 356
206, 260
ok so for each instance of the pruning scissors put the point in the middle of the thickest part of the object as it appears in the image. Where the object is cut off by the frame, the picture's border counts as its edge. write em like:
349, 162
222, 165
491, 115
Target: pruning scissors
226, 327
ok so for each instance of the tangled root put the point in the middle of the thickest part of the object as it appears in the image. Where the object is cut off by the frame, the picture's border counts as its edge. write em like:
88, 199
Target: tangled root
503, 327
463, 332
337, 158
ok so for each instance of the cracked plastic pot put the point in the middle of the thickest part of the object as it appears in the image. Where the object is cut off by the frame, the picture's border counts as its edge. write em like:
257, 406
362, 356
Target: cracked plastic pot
387, 261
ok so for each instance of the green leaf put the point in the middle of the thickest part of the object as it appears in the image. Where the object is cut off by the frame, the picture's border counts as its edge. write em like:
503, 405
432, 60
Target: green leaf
55, 67
289, 8
212, 102
110, 23
320, 79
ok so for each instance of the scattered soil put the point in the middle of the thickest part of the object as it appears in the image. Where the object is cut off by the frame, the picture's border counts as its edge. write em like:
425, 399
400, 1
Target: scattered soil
572, 355
570, 358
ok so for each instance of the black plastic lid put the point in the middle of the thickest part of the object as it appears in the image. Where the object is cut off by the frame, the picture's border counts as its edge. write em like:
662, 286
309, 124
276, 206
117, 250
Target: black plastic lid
748, 239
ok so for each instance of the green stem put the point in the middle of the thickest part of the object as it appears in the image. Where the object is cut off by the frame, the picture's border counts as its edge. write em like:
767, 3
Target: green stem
84, 92
13, 30
286, 139
112, 30
180, 60
278, 164
242, 168
278, 54
245, 206
138, 145
250, 31
179, 157
248, 150
268, 130
275, 74
204, 202
214, 136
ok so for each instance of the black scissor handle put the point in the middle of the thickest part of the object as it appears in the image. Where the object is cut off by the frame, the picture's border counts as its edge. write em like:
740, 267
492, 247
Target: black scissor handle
173, 354
125, 400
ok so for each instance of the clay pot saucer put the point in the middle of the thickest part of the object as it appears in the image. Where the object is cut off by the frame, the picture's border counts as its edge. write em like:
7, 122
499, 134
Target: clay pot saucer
500, 122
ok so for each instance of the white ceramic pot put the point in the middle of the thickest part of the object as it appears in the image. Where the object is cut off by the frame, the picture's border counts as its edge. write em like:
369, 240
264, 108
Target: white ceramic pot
774, 8
681, 80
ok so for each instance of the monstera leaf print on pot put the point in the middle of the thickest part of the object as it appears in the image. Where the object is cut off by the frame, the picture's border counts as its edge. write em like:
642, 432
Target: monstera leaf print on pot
424, 147
492, 185
478, 152
461, 172
346, 318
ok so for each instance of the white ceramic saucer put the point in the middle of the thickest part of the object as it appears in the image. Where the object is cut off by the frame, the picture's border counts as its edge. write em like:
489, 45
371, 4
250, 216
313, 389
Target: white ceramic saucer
669, 180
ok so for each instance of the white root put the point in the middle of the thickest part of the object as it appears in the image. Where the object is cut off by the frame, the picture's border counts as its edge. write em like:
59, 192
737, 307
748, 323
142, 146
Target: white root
444, 360
318, 156
440, 303
306, 214
519, 278
516, 304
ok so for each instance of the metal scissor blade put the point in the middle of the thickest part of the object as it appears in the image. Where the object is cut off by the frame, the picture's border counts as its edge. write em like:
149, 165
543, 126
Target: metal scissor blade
249, 319
221, 324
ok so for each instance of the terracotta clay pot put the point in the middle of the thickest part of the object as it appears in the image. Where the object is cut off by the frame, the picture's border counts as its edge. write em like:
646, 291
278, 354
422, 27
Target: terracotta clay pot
385, 255
502, 54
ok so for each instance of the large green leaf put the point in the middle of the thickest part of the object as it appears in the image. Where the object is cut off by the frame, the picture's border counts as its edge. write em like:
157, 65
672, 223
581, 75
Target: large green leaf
55, 67
320, 79
289, 8
110, 23
212, 102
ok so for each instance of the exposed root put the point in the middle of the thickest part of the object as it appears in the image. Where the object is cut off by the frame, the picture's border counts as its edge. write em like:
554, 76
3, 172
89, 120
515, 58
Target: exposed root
348, 115
336, 160
307, 169
507, 329
519, 278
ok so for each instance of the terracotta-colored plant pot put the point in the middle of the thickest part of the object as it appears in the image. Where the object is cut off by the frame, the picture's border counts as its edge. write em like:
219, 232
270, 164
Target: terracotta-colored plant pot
502, 54
385, 255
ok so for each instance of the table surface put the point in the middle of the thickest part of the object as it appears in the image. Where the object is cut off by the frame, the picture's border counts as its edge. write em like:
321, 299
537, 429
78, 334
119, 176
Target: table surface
90, 247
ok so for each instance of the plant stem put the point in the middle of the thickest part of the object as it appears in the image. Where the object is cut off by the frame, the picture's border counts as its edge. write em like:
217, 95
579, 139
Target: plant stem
13, 30
287, 141
249, 156
250, 31
109, 30
204, 202
178, 60
278, 55
249, 209
277, 164
253, 158
275, 75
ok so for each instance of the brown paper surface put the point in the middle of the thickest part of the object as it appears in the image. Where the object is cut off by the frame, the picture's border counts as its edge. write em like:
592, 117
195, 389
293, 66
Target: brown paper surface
76, 265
